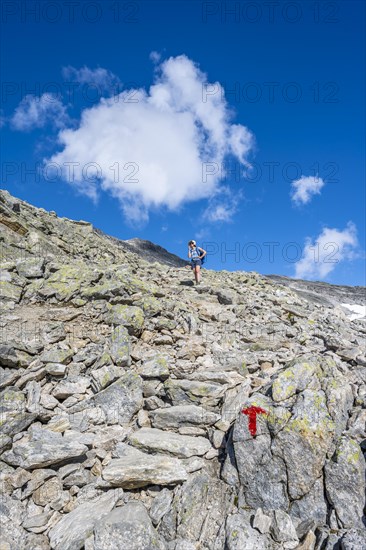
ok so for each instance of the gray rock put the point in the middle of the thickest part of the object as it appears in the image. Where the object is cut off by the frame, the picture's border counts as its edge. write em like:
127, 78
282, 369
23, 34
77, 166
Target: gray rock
131, 317
182, 415
71, 386
41, 448
105, 376
31, 267
5, 442
57, 355
194, 393
233, 401
225, 297
160, 506
12, 534
297, 377
153, 440
38, 477
13, 415
240, 535
354, 540
154, 367
119, 401
310, 510
56, 369
283, 530
262, 475
199, 510
13, 357
49, 493
120, 347
345, 483
138, 469
183, 544
75, 527
304, 441
36, 521
261, 521
125, 527
10, 292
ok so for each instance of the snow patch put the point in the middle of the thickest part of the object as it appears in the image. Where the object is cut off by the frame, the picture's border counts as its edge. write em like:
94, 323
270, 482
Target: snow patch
359, 312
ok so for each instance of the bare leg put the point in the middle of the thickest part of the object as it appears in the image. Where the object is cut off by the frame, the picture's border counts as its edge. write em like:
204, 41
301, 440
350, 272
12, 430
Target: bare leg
197, 274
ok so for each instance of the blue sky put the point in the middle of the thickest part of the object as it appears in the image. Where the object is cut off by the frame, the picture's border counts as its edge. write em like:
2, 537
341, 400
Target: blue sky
237, 124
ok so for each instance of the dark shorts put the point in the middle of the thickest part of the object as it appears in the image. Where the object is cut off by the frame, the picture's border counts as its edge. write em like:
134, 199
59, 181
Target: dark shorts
195, 263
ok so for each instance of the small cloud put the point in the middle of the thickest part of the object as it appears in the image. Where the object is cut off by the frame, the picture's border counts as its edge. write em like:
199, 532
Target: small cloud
155, 57
304, 188
331, 247
222, 206
164, 228
3, 118
36, 112
102, 79
202, 234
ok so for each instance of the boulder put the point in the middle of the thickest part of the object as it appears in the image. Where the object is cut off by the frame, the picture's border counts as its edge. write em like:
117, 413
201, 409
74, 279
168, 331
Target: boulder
41, 448
153, 440
125, 527
72, 530
138, 469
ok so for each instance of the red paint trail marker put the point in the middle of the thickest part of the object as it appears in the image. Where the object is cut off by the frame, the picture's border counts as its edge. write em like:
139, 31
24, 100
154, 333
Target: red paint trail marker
252, 412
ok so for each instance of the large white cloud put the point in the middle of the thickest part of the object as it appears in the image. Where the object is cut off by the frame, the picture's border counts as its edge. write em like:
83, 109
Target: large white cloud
322, 256
36, 112
158, 148
305, 187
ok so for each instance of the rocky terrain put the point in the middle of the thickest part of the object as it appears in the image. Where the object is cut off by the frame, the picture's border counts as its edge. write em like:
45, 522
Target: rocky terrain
129, 400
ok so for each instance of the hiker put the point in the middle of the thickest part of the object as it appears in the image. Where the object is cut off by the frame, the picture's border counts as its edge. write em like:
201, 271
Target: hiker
195, 253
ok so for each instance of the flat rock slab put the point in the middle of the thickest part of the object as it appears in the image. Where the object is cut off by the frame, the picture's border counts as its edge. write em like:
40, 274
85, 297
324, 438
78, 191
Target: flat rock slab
193, 392
138, 469
41, 449
182, 415
153, 440
74, 528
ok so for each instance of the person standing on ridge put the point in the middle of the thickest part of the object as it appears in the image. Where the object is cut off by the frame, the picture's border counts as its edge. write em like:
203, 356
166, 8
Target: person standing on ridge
195, 253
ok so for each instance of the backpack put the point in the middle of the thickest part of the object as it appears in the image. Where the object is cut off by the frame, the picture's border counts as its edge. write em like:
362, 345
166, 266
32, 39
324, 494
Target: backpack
204, 257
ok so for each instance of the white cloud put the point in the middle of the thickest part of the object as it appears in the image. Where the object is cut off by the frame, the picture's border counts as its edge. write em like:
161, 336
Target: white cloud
330, 248
222, 205
155, 57
152, 147
202, 234
304, 188
100, 78
36, 112
2, 118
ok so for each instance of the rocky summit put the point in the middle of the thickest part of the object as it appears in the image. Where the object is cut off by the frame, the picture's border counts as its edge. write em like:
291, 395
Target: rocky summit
140, 412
